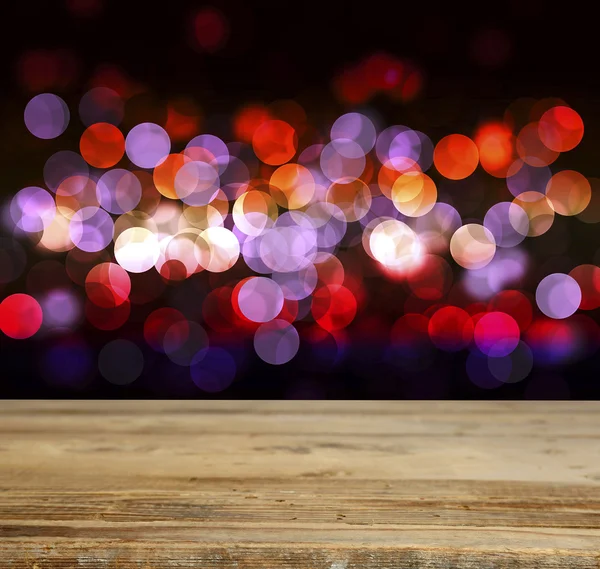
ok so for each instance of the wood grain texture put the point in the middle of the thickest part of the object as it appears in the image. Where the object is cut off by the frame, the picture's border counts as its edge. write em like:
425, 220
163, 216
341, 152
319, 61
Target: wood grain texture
272, 484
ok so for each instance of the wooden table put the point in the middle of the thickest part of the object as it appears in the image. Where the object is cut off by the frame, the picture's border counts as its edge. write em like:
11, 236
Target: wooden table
335, 485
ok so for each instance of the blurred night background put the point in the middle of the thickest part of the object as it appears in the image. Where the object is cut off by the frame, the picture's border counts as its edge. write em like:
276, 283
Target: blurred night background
225, 68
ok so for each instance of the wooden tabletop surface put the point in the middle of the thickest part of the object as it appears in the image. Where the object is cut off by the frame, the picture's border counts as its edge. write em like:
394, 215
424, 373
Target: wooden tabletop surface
311, 484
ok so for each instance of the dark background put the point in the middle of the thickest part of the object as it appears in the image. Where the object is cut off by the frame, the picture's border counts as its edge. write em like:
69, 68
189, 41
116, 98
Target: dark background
280, 50
293, 50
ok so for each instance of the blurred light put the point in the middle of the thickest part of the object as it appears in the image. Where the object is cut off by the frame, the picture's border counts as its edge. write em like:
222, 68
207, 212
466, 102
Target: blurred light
276, 342
317, 214
515, 304
32, 209
333, 307
20, 316
137, 249
395, 245
47, 116
508, 223
513, 367
539, 211
91, 229
531, 149
414, 194
275, 142
102, 145
215, 372
147, 145
456, 156
62, 310
497, 334
211, 29
108, 285
450, 328
260, 299
588, 279
495, 143
560, 129
101, 105
292, 186
558, 295
568, 192
473, 246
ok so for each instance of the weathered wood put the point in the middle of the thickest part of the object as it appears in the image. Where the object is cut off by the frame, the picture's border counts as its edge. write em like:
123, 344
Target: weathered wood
336, 485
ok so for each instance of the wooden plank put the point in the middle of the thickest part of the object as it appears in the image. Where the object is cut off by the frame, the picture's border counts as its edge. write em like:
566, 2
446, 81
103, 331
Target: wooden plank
319, 484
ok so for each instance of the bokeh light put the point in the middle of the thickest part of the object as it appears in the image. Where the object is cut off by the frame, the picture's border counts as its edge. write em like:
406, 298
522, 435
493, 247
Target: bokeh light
137, 249
497, 334
568, 192
558, 295
414, 194
456, 156
450, 328
495, 143
108, 285
588, 279
211, 29
47, 116
62, 310
147, 145
276, 342
473, 246
395, 245
560, 129
539, 211
274, 142
215, 372
118, 191
102, 145
101, 105
20, 316
294, 236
